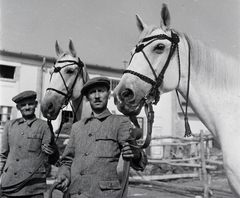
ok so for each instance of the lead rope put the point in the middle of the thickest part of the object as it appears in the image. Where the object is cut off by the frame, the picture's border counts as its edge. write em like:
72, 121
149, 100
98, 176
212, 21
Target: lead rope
188, 131
136, 133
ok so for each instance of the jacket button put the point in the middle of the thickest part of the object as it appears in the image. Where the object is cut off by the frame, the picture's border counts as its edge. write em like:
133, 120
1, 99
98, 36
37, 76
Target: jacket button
81, 173
22, 132
86, 154
17, 160
90, 135
15, 173
79, 192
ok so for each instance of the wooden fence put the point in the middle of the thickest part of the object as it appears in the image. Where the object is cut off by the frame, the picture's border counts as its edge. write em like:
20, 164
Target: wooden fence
193, 153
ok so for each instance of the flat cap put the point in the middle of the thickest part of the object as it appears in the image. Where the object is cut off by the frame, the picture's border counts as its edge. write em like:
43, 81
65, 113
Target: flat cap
23, 95
96, 81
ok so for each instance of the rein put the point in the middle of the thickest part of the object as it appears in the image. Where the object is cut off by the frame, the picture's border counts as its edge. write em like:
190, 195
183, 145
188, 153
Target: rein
68, 95
154, 91
158, 79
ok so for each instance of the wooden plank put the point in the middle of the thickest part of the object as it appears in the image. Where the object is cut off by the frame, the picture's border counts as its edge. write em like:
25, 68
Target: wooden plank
194, 165
214, 162
164, 177
158, 160
173, 144
167, 185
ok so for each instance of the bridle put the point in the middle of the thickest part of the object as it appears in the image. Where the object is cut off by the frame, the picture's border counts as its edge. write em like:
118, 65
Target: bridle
69, 93
157, 82
80, 64
154, 92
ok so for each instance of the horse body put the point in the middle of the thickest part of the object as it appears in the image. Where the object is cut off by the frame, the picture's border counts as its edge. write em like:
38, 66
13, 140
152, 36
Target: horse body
210, 77
68, 76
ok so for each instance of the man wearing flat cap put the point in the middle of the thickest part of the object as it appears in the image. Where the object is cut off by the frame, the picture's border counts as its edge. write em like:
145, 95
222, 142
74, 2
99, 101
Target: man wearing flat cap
89, 162
27, 143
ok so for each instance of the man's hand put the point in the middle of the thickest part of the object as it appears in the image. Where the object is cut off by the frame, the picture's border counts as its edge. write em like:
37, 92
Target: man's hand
63, 183
129, 152
48, 149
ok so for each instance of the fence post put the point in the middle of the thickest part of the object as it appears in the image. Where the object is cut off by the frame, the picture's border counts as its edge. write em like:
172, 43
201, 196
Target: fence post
203, 165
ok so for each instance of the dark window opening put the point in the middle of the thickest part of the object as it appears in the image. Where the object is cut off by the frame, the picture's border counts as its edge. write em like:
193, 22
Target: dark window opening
7, 72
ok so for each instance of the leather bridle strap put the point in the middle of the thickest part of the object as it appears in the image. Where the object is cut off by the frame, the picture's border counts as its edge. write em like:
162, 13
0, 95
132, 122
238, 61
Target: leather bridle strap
137, 132
158, 79
58, 70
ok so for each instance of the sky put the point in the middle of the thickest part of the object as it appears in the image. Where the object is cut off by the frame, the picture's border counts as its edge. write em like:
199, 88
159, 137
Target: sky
105, 31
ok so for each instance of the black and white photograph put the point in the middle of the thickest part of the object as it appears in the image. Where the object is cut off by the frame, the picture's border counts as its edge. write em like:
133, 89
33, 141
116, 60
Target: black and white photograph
119, 99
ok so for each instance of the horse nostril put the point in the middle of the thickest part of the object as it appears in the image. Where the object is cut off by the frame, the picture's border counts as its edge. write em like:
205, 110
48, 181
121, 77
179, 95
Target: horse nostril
127, 95
50, 107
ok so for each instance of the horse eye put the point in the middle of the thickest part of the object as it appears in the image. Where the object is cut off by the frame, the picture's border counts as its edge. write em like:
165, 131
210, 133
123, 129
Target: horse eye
159, 48
70, 71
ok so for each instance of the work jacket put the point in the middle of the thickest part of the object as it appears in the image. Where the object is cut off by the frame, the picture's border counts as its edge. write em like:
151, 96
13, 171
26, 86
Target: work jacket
21, 154
91, 156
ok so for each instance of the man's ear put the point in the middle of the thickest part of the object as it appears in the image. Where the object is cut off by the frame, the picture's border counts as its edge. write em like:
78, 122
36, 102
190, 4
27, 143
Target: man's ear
17, 107
87, 97
36, 103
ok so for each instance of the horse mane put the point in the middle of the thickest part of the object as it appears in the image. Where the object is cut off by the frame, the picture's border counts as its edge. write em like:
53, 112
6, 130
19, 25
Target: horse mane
216, 68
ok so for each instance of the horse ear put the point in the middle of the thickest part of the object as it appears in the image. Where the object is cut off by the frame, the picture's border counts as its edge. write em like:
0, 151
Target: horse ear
140, 24
165, 18
72, 49
58, 50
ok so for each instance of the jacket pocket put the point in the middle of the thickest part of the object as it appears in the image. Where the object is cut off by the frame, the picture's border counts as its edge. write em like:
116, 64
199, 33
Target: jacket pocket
110, 185
107, 145
34, 144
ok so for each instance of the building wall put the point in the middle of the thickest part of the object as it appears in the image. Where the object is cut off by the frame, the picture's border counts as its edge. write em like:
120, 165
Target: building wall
30, 74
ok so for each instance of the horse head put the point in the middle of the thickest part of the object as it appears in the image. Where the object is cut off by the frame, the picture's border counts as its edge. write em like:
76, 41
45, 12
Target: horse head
68, 75
153, 68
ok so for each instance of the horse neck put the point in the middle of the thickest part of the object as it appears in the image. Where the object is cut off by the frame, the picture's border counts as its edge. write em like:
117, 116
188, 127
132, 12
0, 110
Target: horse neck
80, 105
81, 108
207, 93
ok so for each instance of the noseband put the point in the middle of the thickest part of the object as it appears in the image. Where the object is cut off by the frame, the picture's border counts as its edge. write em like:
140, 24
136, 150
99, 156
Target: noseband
154, 92
80, 64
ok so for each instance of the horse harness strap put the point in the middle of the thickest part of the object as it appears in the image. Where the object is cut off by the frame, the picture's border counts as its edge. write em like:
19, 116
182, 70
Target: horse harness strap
158, 79
58, 70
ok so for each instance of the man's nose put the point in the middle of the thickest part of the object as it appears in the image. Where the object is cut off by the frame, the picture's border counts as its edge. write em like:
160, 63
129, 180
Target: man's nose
97, 94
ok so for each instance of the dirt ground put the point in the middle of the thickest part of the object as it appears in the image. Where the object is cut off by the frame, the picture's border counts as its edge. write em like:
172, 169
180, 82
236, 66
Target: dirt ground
174, 188
220, 189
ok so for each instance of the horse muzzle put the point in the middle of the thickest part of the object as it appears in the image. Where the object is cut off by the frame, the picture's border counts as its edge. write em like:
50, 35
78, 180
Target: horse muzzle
128, 106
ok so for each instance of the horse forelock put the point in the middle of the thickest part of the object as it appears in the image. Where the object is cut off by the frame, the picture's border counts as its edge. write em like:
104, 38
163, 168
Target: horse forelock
216, 68
66, 56
147, 31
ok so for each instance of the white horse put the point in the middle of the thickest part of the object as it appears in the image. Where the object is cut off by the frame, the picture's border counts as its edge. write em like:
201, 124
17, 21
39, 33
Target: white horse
68, 75
164, 60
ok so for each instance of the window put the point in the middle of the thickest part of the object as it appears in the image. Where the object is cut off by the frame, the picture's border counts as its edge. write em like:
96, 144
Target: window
5, 114
7, 71
114, 83
67, 116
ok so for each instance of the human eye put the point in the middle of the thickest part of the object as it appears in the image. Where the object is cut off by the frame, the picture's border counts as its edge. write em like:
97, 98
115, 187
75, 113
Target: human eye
23, 104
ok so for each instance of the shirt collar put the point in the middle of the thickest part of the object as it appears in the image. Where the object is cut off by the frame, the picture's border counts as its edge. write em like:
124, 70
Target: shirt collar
101, 116
29, 122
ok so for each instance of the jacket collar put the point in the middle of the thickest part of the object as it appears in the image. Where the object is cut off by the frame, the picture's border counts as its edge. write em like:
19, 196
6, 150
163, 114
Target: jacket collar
29, 122
101, 116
